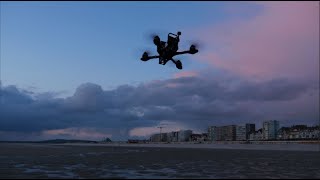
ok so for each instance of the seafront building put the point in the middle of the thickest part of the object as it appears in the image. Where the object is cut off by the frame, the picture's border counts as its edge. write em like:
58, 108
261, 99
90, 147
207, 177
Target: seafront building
175, 136
299, 132
270, 131
222, 133
256, 135
184, 135
241, 133
250, 128
212, 136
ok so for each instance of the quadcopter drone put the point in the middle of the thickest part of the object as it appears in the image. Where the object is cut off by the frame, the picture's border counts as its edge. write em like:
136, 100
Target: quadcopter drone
167, 50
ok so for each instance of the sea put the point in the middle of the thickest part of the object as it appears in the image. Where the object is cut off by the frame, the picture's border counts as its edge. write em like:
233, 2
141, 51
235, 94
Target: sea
82, 161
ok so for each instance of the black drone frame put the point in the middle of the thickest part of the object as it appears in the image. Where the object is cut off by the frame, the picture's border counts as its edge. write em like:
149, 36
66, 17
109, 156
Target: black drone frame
166, 54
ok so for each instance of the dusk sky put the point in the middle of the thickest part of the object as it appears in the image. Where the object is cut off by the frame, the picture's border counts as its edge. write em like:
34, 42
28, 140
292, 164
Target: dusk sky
73, 70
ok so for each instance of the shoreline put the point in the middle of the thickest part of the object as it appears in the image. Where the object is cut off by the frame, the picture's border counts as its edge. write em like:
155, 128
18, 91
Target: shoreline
313, 146
234, 146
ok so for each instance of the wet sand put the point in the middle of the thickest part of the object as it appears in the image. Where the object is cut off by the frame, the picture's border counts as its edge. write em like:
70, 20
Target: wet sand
225, 145
101, 161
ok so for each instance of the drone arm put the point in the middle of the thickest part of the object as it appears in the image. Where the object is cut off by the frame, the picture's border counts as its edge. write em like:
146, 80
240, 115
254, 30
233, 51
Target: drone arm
191, 51
182, 52
148, 58
153, 57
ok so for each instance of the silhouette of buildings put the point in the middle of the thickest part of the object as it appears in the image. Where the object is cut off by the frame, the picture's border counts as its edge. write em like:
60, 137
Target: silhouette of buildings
270, 131
299, 132
175, 136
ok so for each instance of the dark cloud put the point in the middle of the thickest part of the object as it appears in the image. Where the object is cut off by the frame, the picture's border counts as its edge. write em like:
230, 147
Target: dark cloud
195, 101
10, 95
87, 98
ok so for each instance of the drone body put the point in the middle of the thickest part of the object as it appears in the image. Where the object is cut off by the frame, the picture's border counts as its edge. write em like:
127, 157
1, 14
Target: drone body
167, 50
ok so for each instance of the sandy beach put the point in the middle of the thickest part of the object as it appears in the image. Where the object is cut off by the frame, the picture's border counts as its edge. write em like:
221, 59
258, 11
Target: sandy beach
285, 147
133, 162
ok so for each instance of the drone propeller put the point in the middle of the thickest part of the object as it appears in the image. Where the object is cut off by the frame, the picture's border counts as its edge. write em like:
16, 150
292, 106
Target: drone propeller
150, 35
147, 51
197, 44
138, 52
153, 35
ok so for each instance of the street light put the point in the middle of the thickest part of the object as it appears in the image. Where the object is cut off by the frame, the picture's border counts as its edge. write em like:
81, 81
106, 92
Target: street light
160, 131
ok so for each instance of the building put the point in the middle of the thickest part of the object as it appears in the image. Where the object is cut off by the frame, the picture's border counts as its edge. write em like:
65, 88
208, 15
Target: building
283, 133
218, 134
227, 133
241, 133
195, 137
250, 128
164, 137
204, 137
270, 130
199, 137
155, 138
212, 130
299, 132
173, 136
222, 133
256, 136
137, 141
184, 135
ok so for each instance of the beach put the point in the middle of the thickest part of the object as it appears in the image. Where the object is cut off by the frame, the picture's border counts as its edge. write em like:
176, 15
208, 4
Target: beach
290, 146
135, 161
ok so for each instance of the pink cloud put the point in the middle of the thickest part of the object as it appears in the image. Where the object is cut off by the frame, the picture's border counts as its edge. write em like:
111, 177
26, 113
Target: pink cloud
143, 131
283, 40
78, 133
172, 85
180, 75
169, 126
185, 74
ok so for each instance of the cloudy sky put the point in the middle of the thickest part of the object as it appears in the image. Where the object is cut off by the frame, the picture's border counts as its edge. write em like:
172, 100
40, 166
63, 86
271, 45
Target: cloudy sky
73, 70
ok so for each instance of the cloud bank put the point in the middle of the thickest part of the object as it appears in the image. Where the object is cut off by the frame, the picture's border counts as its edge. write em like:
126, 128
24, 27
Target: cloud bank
194, 102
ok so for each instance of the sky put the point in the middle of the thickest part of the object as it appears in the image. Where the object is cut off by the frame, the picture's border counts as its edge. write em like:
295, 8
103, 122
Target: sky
73, 70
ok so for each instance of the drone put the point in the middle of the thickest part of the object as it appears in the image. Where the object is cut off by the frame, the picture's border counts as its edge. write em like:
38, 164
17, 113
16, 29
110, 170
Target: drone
167, 50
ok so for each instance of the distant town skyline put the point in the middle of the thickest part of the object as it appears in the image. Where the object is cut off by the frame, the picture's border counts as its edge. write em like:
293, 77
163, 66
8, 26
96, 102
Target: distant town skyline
270, 131
73, 70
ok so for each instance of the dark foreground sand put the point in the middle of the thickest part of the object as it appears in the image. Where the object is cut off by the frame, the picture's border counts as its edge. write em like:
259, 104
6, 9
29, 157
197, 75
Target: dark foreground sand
87, 161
